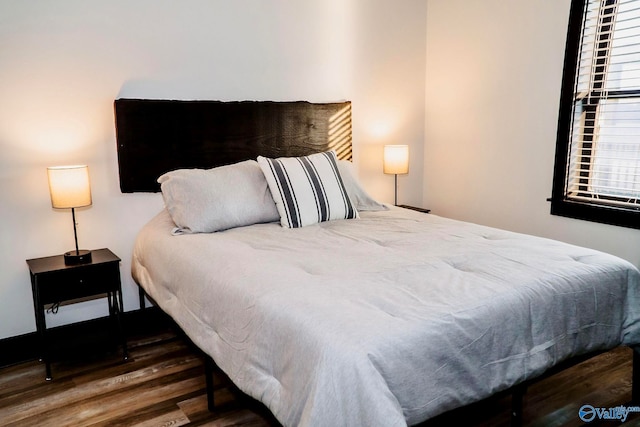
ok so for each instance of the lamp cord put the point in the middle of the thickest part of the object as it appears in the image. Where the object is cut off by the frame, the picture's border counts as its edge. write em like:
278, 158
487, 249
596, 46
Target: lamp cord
54, 308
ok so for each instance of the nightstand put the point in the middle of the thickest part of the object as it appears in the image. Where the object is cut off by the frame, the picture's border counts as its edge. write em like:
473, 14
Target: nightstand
53, 282
413, 208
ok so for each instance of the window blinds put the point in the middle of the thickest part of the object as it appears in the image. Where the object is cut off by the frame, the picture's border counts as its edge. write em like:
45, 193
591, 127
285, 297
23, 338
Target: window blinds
604, 151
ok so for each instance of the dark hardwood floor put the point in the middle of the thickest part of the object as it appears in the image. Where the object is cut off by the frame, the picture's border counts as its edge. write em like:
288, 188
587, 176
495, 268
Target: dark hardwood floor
162, 384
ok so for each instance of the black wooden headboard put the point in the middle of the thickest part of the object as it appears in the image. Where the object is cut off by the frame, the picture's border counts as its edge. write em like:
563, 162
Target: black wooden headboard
157, 136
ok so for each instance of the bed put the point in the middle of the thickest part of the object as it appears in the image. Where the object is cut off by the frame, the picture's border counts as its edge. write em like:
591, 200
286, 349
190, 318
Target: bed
389, 317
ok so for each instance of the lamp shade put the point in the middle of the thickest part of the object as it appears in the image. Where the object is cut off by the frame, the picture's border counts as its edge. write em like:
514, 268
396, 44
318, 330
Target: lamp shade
69, 186
396, 159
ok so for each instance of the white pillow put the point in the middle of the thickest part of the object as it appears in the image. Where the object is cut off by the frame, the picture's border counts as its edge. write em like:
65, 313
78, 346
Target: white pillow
359, 197
204, 201
307, 190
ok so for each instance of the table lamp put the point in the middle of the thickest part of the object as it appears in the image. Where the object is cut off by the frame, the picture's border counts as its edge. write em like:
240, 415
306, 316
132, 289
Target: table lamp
69, 188
396, 162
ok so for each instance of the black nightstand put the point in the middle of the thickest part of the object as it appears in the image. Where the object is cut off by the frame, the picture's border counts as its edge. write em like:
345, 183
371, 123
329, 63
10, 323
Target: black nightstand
53, 282
413, 208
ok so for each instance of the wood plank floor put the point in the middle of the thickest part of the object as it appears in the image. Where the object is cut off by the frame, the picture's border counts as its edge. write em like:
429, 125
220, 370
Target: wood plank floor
162, 384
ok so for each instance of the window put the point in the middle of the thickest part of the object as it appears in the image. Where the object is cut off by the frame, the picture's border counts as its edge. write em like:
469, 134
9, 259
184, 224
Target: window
597, 167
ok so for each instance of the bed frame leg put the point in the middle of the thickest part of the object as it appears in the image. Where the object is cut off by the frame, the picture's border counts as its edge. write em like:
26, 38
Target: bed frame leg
635, 376
516, 404
208, 372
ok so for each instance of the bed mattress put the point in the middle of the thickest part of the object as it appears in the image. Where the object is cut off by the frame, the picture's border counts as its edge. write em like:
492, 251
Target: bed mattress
385, 320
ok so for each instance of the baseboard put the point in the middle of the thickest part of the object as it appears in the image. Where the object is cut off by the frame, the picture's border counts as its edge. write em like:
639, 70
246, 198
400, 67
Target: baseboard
18, 349
23, 348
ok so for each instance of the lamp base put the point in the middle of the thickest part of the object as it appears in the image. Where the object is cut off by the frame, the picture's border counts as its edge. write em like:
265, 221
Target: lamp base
83, 256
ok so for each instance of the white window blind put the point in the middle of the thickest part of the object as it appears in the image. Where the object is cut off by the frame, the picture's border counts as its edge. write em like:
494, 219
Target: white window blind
604, 147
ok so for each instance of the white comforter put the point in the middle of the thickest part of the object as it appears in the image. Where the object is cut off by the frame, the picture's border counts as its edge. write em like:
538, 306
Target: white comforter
388, 319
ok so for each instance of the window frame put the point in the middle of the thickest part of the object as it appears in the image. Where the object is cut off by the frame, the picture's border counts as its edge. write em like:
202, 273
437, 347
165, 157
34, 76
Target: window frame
560, 204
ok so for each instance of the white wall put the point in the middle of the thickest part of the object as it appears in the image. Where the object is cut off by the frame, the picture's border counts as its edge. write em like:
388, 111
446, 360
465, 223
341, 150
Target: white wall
63, 63
493, 77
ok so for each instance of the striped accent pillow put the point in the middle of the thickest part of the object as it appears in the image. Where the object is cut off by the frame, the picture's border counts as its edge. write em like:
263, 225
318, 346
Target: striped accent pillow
307, 190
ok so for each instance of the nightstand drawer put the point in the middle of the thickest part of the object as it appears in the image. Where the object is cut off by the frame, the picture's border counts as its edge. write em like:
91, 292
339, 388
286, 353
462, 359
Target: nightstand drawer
64, 285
